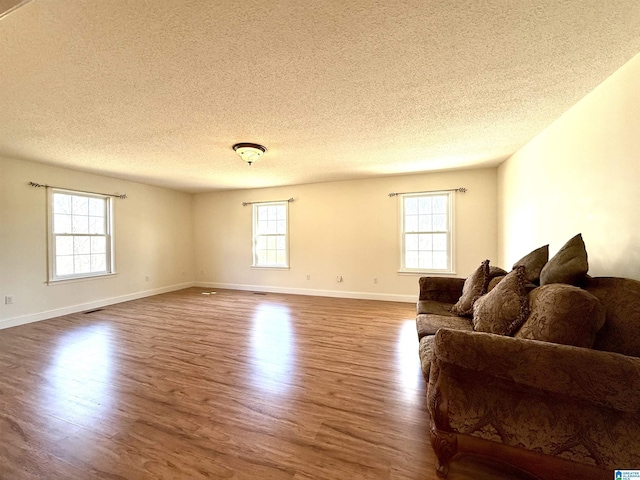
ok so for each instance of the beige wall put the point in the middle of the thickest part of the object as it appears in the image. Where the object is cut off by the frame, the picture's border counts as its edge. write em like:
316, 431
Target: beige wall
153, 237
343, 228
582, 174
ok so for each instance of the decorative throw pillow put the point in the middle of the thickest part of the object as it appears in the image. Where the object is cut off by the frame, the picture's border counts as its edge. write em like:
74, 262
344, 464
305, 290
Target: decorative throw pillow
504, 308
569, 265
496, 272
493, 282
474, 287
533, 263
563, 314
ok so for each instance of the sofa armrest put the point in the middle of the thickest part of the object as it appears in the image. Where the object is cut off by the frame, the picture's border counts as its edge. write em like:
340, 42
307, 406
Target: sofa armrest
440, 289
602, 378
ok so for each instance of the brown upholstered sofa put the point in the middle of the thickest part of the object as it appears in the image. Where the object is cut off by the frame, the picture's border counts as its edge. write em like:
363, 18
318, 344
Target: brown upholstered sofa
553, 389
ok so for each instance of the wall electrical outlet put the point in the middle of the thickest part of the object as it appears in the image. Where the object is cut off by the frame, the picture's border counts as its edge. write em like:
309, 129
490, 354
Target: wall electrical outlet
338, 278
375, 279
146, 278
8, 300
308, 276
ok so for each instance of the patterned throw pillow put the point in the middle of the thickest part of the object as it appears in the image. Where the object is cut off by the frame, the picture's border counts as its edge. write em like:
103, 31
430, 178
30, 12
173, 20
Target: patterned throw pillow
533, 263
504, 308
474, 287
563, 314
568, 266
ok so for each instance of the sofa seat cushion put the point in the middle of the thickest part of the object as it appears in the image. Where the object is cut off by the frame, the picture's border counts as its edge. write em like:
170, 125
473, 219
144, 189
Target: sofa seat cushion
429, 324
425, 350
563, 314
437, 308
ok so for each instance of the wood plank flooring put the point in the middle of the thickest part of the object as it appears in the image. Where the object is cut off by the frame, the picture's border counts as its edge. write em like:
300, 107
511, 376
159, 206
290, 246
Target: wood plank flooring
235, 385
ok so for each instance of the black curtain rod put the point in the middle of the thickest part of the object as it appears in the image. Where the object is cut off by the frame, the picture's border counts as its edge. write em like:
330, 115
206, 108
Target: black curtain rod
39, 185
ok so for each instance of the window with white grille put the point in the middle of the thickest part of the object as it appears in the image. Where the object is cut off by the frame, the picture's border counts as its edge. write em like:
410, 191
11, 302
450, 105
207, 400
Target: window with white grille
270, 235
426, 231
80, 235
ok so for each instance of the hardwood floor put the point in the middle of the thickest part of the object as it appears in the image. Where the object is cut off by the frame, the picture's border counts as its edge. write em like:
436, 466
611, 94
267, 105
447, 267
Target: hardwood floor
233, 385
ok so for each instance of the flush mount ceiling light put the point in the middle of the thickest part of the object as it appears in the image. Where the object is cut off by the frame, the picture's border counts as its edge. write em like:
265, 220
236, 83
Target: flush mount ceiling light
249, 152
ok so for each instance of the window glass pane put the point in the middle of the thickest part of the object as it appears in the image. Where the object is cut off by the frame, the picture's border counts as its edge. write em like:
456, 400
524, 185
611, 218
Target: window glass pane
79, 205
62, 224
440, 260
271, 257
64, 246
440, 223
281, 212
62, 203
79, 224
440, 241
262, 257
281, 243
271, 243
272, 212
96, 225
262, 243
425, 242
281, 227
98, 263
82, 263
411, 242
98, 245
440, 204
97, 207
412, 259
81, 245
281, 258
424, 205
424, 259
410, 206
424, 223
64, 265
411, 223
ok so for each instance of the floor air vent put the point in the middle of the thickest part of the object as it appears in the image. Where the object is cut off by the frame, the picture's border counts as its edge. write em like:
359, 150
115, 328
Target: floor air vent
93, 311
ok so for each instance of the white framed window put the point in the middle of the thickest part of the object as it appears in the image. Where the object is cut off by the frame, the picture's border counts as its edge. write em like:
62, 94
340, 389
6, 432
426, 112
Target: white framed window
426, 226
271, 234
80, 235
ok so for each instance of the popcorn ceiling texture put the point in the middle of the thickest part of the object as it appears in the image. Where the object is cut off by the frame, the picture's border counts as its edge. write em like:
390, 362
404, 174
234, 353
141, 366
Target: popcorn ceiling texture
158, 92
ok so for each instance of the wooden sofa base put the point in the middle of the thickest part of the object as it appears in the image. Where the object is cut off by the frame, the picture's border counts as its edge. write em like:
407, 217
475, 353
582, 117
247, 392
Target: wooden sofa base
448, 446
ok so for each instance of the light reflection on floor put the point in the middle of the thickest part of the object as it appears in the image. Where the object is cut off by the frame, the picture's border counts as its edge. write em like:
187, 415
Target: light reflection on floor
272, 348
408, 363
79, 375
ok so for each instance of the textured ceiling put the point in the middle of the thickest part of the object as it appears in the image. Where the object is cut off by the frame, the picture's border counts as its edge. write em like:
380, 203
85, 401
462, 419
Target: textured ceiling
159, 91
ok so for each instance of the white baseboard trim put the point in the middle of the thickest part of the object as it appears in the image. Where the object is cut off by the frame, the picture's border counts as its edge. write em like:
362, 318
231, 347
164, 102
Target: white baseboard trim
385, 297
36, 317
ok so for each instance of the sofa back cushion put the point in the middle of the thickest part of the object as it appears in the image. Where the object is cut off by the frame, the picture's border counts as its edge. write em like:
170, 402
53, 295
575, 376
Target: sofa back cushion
621, 298
563, 314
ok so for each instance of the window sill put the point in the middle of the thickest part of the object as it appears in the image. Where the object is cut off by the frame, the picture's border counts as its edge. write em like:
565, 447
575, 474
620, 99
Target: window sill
258, 267
425, 272
62, 281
